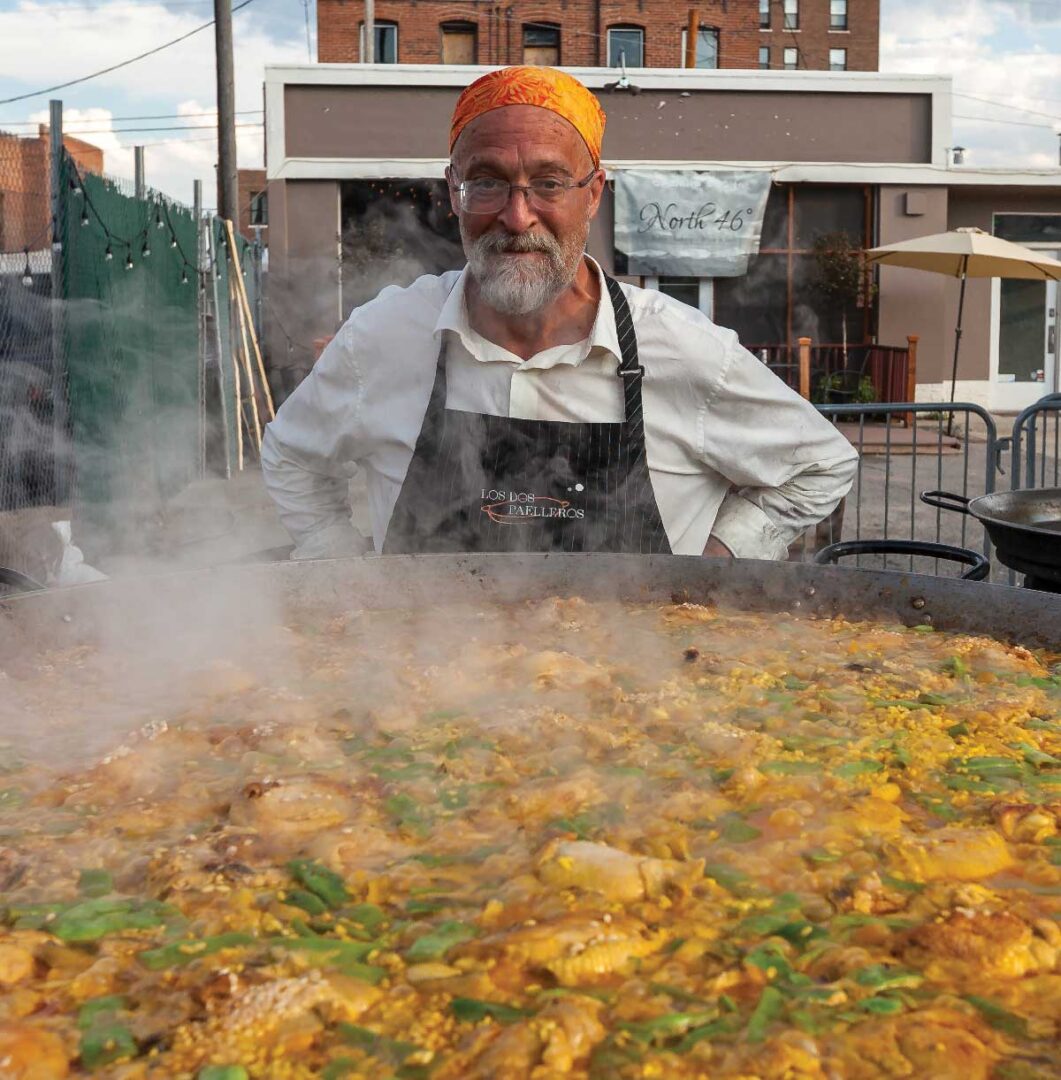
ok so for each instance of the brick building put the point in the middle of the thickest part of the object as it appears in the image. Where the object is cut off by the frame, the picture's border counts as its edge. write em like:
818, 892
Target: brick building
779, 34
253, 204
25, 205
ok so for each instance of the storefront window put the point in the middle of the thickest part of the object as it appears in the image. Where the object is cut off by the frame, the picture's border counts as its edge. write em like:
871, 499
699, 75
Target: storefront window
778, 300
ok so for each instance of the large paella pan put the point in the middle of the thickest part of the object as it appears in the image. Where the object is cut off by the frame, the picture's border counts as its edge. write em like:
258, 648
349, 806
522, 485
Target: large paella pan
536, 817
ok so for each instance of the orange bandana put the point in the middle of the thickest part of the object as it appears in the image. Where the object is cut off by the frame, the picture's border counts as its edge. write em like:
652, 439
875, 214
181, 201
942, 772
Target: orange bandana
542, 86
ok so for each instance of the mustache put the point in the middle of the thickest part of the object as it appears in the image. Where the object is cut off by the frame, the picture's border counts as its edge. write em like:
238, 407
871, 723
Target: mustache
508, 243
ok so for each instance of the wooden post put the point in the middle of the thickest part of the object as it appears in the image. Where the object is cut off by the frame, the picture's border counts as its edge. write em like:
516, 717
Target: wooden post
245, 307
691, 36
911, 372
804, 368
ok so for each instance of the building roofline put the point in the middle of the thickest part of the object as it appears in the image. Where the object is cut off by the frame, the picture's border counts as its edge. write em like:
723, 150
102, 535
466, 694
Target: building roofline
652, 79
817, 172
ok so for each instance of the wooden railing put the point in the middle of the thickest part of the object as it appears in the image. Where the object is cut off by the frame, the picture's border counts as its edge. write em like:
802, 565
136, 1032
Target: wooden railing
822, 372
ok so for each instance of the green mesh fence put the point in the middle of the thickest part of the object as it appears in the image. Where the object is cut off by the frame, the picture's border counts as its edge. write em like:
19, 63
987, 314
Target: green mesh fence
130, 332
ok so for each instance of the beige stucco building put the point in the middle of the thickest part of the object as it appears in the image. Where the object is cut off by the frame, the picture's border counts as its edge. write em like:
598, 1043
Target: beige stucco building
355, 157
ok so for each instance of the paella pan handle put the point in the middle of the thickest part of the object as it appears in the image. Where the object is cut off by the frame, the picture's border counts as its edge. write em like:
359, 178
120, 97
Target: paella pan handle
946, 500
14, 579
979, 565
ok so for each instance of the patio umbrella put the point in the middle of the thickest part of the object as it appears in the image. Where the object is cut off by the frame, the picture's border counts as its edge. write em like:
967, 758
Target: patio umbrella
966, 253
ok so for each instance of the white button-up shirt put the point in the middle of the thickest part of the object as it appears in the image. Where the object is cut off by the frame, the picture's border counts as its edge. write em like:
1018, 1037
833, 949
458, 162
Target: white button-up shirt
732, 451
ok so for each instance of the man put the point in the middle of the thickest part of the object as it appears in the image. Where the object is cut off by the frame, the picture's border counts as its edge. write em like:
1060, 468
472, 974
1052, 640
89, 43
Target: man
530, 402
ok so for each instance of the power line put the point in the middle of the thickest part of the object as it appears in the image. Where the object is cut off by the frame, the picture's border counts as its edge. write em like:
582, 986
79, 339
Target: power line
123, 119
164, 127
124, 63
1002, 105
1012, 123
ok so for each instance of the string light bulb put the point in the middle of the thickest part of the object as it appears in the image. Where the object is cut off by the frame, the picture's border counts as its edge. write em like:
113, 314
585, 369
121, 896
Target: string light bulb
158, 220
145, 251
108, 254
84, 218
184, 277
27, 273
129, 261
173, 240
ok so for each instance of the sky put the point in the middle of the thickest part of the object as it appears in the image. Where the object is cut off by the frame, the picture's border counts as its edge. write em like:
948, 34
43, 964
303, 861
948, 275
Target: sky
1005, 51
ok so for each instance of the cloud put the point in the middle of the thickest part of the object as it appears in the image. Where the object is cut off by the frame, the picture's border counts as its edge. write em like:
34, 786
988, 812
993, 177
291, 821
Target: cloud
1003, 55
177, 80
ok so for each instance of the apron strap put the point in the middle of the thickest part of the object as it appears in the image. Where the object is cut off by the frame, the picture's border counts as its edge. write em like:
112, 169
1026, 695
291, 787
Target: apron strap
630, 369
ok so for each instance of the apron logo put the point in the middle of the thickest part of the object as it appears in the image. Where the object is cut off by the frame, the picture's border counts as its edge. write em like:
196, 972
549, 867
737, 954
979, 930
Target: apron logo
519, 507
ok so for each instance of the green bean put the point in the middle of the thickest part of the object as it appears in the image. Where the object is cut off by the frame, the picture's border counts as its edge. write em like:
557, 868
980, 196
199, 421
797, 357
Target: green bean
325, 884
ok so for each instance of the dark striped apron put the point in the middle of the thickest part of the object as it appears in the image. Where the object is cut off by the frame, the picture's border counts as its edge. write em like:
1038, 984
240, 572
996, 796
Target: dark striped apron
493, 483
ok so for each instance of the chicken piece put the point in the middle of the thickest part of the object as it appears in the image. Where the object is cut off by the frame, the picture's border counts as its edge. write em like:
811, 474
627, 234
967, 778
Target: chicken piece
348, 997
955, 853
255, 1027
294, 808
28, 1052
574, 948
16, 964
552, 670
989, 943
870, 816
616, 874
944, 1049
538, 799
687, 614
1027, 823
790, 1054
552, 1044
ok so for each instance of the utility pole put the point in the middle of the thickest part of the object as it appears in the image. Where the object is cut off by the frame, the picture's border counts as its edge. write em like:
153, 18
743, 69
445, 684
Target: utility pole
368, 47
59, 197
139, 182
691, 38
227, 178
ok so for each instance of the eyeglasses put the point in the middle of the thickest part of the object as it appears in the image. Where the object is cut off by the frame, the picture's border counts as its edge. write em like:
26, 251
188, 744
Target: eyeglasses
488, 194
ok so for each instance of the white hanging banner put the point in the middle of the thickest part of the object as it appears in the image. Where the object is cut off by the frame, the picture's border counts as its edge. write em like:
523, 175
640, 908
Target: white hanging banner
691, 224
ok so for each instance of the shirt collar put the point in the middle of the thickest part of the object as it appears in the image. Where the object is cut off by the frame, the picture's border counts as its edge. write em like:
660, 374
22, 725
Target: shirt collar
602, 335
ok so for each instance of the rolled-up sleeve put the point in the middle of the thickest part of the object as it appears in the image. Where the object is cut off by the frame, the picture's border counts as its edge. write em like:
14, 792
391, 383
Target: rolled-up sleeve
788, 466
309, 453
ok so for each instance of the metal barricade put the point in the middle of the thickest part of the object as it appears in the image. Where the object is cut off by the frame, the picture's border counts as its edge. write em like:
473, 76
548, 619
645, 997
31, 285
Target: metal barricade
1036, 445
951, 447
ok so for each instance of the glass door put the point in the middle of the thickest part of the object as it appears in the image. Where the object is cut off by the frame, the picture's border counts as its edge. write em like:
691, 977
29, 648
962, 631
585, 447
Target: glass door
1028, 334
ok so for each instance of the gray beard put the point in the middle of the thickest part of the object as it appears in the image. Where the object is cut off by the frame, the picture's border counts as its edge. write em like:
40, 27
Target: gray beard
513, 286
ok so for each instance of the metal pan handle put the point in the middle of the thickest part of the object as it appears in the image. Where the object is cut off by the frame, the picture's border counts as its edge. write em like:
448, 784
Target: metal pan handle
946, 500
979, 565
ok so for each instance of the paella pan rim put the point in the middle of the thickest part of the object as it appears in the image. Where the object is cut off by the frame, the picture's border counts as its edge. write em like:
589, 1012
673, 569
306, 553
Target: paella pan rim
985, 508
425, 581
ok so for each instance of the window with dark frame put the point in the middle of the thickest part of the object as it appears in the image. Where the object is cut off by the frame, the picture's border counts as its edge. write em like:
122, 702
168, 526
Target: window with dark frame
791, 9
764, 57
541, 45
837, 14
706, 47
259, 208
626, 45
838, 59
386, 42
764, 14
460, 42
